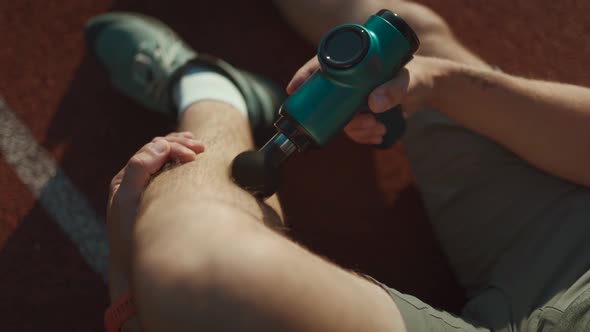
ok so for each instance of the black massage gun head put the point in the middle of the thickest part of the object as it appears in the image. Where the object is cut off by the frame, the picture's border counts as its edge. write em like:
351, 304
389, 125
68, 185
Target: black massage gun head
253, 171
258, 171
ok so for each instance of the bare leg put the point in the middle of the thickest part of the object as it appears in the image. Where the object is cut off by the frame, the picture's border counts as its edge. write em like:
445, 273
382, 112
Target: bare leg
203, 261
225, 133
313, 18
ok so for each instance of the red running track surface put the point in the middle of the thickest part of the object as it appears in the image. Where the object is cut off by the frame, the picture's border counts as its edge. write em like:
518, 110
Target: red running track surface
370, 221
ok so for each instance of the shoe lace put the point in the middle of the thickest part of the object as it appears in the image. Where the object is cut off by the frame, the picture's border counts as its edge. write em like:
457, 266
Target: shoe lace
152, 67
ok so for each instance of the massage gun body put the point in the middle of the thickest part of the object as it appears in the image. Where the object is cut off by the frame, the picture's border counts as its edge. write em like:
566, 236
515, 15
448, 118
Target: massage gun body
332, 96
354, 59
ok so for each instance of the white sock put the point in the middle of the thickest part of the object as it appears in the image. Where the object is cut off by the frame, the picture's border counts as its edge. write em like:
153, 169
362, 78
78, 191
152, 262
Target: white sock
201, 83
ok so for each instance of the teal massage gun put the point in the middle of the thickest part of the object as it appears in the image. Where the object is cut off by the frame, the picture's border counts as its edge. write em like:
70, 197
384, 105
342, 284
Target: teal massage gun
354, 59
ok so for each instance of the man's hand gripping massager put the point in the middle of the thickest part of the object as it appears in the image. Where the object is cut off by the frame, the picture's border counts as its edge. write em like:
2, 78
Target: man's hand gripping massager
354, 60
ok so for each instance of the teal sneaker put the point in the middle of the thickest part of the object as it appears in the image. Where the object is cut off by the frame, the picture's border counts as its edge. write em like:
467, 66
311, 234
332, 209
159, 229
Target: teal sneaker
145, 58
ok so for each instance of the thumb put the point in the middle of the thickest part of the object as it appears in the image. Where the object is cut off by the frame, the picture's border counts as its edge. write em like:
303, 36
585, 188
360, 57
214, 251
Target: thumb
141, 167
303, 74
391, 93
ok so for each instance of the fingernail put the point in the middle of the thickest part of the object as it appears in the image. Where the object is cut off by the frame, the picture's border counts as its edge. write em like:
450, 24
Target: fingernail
159, 147
194, 142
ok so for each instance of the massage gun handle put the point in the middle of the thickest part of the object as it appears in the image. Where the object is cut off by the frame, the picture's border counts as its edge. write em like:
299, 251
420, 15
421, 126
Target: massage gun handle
395, 123
393, 120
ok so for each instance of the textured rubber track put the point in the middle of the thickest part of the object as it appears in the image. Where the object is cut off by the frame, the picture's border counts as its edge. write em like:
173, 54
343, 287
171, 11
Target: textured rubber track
59, 93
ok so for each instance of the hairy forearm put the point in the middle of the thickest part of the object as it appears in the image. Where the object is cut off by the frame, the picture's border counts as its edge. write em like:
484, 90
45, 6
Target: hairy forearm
545, 123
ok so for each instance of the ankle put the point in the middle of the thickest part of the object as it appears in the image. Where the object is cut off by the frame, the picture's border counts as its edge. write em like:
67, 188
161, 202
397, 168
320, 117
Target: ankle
200, 84
218, 124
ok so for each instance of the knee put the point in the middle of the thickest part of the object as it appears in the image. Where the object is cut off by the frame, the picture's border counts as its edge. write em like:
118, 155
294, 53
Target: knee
215, 244
222, 277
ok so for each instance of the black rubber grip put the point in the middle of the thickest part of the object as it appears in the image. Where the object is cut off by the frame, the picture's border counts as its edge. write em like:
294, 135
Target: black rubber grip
395, 123
393, 120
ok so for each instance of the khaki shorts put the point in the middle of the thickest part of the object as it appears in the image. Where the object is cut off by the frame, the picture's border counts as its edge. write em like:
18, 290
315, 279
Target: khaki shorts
518, 239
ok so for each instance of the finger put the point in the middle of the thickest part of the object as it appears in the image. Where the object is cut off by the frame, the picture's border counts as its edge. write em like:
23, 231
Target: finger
179, 148
374, 141
114, 186
303, 74
378, 129
190, 143
362, 121
181, 152
370, 139
365, 135
390, 94
141, 167
186, 134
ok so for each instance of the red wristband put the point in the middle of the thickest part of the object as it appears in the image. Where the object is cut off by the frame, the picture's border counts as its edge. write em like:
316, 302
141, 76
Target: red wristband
119, 312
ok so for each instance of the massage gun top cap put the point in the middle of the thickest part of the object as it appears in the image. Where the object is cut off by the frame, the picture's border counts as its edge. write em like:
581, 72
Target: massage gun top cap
347, 45
402, 27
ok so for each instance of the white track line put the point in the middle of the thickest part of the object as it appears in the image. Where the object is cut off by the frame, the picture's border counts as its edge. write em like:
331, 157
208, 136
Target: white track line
54, 190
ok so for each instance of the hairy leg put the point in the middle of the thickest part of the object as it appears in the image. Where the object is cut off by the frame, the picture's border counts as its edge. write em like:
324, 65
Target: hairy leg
313, 18
202, 260
225, 133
